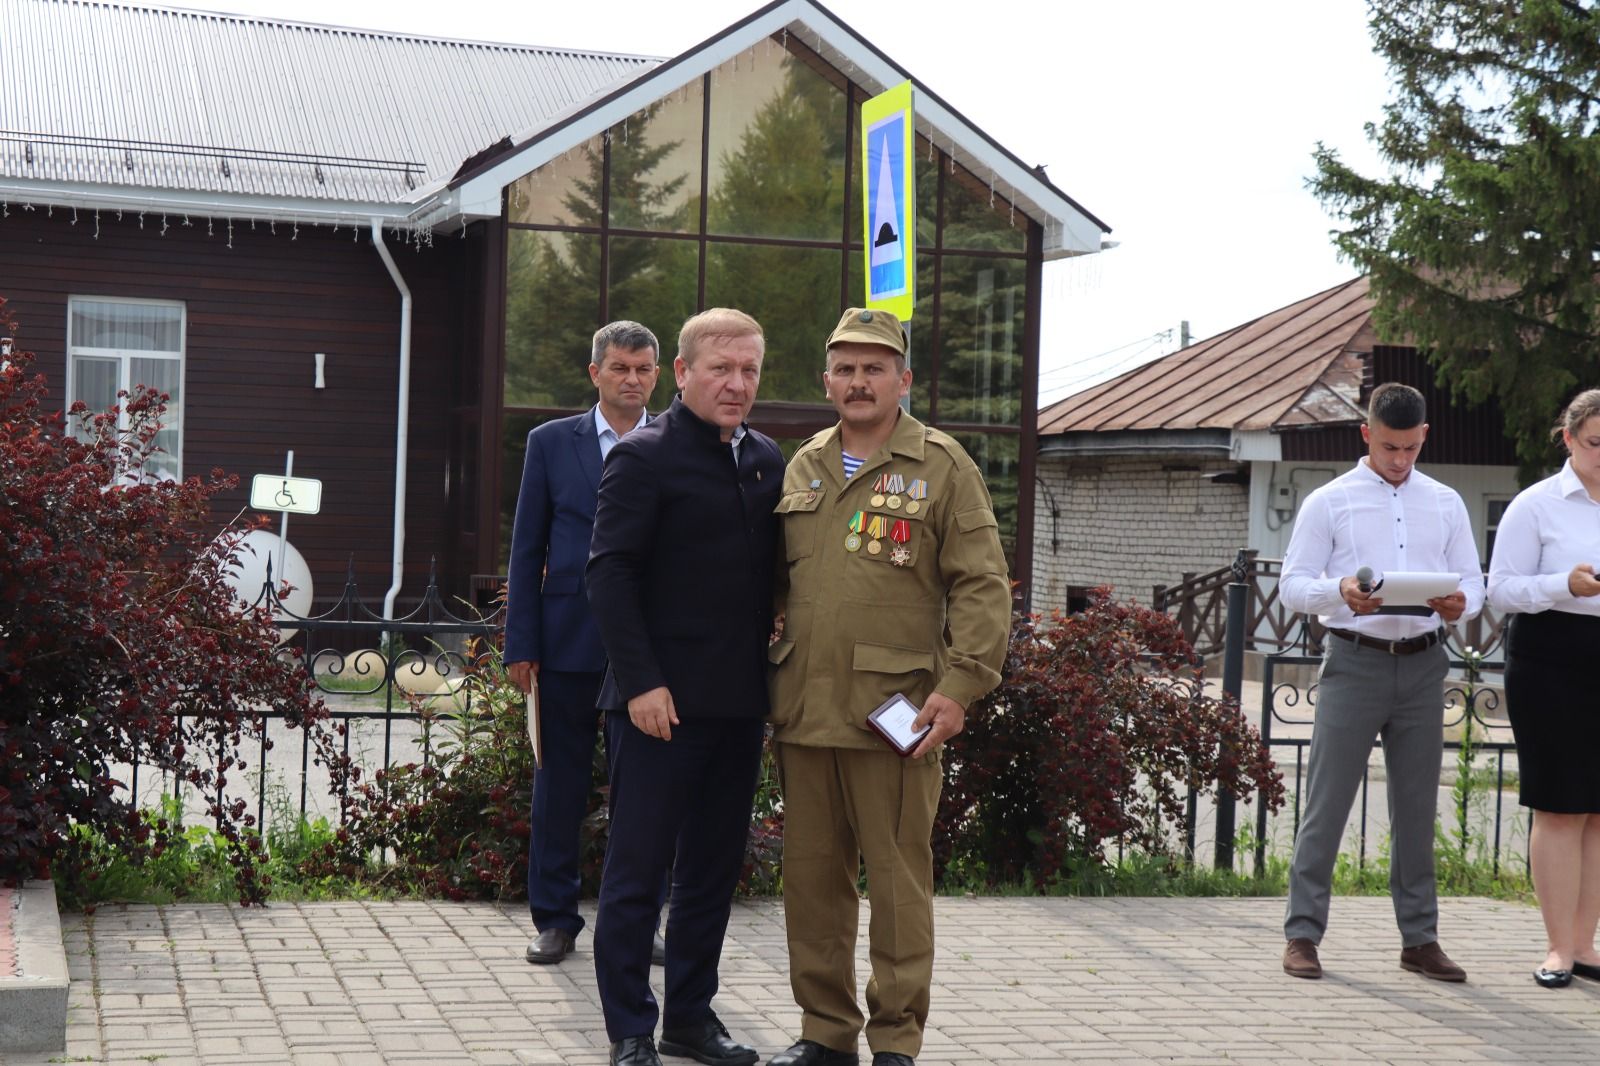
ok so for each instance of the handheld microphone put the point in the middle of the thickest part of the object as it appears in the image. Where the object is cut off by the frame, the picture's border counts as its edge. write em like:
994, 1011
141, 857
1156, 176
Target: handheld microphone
1364, 579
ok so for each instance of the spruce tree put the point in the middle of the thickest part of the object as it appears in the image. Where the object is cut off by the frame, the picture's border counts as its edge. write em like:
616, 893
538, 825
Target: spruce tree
1482, 239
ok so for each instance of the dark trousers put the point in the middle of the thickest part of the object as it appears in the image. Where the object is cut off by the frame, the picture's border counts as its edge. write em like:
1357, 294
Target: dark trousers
569, 724
682, 805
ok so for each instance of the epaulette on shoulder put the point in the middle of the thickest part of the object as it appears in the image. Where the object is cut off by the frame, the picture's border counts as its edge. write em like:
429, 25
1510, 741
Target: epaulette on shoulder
946, 442
811, 444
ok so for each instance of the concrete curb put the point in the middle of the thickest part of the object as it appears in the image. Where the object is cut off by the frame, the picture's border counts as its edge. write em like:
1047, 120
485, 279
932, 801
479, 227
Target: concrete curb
33, 990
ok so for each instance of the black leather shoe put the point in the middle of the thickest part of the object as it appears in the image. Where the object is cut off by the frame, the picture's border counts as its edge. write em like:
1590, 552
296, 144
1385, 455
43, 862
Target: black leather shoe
708, 1042
892, 1058
552, 945
1584, 969
658, 951
811, 1053
1552, 978
635, 1051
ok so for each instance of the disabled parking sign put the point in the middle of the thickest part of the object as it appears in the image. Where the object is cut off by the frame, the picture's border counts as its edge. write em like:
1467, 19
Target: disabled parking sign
888, 201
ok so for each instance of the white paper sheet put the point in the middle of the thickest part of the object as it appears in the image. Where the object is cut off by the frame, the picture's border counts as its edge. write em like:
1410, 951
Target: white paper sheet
1414, 589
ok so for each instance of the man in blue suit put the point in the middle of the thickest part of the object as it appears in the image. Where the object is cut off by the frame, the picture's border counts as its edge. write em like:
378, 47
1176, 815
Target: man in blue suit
680, 582
551, 640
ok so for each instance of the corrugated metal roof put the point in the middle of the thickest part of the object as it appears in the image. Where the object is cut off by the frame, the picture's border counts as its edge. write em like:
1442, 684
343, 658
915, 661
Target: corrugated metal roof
157, 97
1297, 366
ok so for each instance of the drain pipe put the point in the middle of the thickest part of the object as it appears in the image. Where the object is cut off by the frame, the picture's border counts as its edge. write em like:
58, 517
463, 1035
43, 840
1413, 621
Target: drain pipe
403, 419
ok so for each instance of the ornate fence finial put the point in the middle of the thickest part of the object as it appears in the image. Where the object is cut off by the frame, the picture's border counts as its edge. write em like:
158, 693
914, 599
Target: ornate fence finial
1241, 566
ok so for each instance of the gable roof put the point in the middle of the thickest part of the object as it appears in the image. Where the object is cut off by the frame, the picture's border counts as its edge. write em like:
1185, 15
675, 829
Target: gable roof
129, 101
155, 108
1069, 229
1300, 365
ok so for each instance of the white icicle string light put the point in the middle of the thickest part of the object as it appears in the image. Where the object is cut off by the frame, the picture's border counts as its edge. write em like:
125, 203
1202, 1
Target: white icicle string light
97, 224
230, 233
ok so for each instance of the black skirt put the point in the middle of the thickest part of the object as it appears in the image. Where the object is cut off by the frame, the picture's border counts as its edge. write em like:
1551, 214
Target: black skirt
1553, 700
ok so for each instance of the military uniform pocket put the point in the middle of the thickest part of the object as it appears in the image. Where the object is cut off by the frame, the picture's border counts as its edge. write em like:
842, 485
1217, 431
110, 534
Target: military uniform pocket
797, 512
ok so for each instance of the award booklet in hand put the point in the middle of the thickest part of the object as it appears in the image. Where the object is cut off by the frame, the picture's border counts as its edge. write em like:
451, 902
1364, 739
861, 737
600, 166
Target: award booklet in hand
894, 720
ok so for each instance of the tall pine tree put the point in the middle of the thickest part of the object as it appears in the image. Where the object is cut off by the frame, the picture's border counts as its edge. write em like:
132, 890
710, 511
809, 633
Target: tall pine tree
1482, 240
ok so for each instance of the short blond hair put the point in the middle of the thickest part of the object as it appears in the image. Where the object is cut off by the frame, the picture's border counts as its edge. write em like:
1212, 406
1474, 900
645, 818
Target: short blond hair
716, 323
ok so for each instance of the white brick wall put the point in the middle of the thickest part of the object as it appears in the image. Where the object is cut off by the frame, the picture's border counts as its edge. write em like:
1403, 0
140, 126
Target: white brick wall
1132, 522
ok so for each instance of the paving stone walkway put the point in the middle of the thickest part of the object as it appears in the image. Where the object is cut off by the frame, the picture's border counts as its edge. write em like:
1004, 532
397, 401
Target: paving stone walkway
1017, 980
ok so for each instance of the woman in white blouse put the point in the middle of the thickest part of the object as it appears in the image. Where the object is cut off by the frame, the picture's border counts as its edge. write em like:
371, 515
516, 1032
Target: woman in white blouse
1543, 572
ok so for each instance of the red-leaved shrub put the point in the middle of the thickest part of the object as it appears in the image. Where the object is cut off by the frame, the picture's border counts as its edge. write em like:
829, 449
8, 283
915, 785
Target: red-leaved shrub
120, 642
1096, 732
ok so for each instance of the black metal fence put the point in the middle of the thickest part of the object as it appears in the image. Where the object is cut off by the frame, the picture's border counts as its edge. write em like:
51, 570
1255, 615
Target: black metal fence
376, 669
1471, 700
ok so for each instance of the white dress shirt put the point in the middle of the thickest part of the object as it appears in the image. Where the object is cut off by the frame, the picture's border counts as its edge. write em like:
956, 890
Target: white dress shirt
1550, 527
1359, 519
608, 436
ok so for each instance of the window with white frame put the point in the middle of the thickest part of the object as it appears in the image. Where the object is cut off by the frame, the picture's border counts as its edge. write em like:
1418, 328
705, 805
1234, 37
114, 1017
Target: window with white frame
114, 345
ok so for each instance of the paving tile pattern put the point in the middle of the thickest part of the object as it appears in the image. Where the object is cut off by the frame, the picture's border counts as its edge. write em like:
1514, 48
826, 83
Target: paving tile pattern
1017, 980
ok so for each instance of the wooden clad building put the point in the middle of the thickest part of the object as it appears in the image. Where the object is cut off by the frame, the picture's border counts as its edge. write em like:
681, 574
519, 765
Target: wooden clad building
318, 205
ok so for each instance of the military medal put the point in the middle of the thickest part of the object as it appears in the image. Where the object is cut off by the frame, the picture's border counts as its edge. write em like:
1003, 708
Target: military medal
875, 531
896, 485
812, 494
900, 534
918, 491
878, 489
852, 542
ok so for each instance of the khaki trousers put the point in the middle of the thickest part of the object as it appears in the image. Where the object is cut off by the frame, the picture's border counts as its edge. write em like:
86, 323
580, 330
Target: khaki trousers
840, 806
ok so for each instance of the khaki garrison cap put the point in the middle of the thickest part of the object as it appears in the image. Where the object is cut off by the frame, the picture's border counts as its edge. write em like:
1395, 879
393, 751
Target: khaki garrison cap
869, 327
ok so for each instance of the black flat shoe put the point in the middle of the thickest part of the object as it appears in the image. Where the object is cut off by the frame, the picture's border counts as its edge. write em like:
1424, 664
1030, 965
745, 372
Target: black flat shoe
1583, 969
1553, 978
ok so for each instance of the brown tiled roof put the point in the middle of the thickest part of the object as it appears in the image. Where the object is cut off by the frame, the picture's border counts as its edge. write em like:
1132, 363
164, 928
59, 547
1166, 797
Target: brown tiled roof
1300, 365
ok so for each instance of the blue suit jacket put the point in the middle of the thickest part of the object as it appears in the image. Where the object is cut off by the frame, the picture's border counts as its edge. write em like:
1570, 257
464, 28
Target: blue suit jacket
547, 607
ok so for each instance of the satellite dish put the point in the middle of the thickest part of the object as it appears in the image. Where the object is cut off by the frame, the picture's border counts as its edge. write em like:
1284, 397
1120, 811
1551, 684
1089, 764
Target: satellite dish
246, 572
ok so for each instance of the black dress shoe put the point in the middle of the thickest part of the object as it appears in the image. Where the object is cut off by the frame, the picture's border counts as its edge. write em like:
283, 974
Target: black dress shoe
1552, 978
1584, 969
708, 1042
552, 945
635, 1051
892, 1058
658, 951
811, 1053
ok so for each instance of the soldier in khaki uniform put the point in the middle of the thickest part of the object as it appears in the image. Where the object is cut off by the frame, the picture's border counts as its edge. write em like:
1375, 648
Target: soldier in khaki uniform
895, 583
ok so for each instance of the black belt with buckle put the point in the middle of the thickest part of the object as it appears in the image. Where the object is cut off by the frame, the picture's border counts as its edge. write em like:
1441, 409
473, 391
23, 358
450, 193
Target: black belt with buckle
1409, 646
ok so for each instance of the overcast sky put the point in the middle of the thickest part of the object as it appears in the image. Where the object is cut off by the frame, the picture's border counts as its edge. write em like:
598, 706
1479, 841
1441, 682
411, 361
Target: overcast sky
1187, 127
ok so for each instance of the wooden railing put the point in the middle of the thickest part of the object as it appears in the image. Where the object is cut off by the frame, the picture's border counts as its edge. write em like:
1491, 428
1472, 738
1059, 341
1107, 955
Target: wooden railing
1200, 602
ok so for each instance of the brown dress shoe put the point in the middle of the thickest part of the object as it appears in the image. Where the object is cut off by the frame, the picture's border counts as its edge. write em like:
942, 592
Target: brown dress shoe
1300, 959
1430, 961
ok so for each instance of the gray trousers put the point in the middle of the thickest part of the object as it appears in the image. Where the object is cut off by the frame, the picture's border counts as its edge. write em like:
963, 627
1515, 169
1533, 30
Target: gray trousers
1365, 693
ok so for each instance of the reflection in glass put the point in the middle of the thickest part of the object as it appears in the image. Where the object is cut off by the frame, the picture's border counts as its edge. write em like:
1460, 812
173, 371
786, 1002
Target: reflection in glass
926, 172
794, 294
980, 219
552, 310
654, 282
515, 428
655, 164
980, 340
996, 455
776, 149
563, 192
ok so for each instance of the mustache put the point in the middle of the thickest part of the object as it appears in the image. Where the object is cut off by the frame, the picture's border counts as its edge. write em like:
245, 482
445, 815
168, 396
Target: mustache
857, 394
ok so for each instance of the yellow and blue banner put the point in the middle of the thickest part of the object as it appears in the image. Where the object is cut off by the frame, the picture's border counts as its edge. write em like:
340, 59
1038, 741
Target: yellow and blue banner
889, 202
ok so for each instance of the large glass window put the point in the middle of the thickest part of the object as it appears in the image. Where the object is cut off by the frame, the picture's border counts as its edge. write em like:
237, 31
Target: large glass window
114, 346
742, 188
553, 284
777, 148
797, 292
980, 340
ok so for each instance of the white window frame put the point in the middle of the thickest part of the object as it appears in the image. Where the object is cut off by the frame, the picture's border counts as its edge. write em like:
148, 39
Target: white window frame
125, 358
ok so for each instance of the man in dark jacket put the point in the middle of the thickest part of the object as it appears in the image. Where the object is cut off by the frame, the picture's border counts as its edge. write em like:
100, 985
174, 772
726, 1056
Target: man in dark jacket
551, 640
680, 582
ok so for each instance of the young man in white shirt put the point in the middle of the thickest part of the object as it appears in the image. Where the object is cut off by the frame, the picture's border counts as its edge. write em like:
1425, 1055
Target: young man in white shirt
1382, 674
